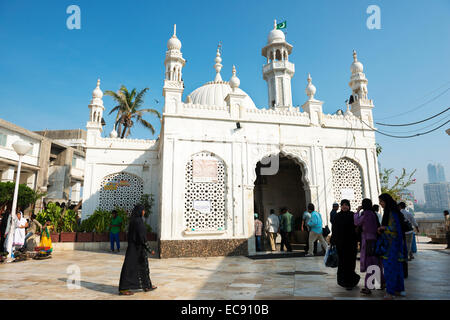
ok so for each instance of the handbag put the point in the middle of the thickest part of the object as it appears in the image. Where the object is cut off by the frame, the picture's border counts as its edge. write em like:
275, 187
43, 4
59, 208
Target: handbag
325, 231
331, 257
381, 245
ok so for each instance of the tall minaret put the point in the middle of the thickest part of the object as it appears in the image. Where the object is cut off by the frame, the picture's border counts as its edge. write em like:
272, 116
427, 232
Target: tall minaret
361, 106
173, 81
278, 71
94, 125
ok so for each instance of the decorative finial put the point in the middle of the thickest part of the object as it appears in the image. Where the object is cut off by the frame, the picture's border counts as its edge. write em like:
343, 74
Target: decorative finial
98, 83
354, 56
274, 24
218, 65
174, 30
234, 81
310, 88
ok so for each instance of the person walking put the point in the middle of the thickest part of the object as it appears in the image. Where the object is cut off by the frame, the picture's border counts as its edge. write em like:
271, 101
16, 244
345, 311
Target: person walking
135, 272
114, 230
409, 232
368, 221
315, 223
334, 211
258, 232
306, 217
395, 254
32, 230
19, 232
447, 227
272, 227
343, 236
286, 227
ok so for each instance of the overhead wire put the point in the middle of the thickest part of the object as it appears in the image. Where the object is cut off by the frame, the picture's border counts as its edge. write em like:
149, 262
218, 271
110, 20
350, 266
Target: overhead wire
412, 123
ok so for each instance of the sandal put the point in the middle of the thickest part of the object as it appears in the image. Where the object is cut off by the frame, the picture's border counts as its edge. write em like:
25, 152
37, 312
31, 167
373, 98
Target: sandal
365, 291
125, 293
150, 289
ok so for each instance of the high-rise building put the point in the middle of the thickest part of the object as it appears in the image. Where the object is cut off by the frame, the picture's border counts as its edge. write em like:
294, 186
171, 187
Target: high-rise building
436, 173
432, 176
440, 174
437, 195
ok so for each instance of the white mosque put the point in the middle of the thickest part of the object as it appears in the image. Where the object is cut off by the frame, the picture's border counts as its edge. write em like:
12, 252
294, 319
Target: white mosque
219, 158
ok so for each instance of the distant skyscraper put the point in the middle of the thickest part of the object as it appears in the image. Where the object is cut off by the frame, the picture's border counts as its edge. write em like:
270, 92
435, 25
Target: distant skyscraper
437, 195
432, 176
440, 174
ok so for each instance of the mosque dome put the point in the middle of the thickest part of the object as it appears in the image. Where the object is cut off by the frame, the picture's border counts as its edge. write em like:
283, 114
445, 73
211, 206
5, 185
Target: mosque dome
214, 93
356, 65
97, 93
174, 43
276, 35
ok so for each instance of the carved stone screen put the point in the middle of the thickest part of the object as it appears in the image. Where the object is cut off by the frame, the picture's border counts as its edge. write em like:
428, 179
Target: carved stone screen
204, 201
347, 182
122, 190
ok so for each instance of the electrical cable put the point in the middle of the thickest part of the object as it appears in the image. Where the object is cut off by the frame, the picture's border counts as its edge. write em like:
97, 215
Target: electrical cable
411, 136
413, 123
419, 129
421, 105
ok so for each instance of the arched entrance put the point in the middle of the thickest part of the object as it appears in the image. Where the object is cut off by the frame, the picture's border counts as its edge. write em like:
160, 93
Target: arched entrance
286, 187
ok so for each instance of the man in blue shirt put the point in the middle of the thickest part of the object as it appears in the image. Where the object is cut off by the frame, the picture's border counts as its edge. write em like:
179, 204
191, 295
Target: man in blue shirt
315, 225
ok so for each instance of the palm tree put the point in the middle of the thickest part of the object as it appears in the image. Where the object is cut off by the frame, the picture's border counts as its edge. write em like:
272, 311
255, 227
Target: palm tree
128, 109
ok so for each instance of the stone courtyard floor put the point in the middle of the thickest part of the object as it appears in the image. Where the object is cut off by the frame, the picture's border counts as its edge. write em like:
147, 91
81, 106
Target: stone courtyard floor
213, 278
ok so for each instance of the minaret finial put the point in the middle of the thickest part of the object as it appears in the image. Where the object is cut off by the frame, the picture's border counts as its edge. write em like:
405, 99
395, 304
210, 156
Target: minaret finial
98, 82
218, 65
274, 24
175, 30
354, 56
310, 88
234, 81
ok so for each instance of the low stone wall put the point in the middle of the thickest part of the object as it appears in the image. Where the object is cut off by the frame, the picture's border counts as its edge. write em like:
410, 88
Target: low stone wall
203, 248
93, 246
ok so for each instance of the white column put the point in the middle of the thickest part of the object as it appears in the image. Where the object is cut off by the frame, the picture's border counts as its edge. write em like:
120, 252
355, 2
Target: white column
75, 196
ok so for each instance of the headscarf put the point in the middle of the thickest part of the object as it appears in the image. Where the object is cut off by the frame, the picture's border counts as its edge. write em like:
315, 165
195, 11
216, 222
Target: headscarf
367, 204
347, 202
390, 205
137, 231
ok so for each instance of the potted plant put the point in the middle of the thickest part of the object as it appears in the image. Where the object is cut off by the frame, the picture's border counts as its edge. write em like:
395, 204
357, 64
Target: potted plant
85, 233
53, 214
124, 228
101, 220
68, 226
151, 236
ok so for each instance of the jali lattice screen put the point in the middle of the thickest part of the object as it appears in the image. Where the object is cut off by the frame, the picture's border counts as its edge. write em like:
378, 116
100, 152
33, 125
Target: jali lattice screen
211, 195
122, 190
347, 179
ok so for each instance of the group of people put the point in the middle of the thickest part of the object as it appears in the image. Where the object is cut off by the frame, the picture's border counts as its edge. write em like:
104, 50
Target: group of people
282, 224
385, 245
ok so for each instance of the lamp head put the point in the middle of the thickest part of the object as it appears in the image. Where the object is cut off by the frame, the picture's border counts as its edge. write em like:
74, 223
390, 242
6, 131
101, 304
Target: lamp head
21, 147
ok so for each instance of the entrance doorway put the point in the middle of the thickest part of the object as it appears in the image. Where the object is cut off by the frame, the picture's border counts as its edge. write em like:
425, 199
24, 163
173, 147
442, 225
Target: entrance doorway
286, 188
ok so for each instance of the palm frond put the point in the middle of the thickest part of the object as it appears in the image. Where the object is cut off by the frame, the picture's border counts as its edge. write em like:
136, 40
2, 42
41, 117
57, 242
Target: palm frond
147, 125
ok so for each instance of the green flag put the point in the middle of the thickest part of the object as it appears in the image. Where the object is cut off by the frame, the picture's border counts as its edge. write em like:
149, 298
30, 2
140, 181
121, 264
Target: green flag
281, 25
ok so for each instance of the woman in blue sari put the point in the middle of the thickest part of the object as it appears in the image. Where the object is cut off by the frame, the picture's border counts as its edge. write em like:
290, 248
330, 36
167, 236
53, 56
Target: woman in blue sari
395, 252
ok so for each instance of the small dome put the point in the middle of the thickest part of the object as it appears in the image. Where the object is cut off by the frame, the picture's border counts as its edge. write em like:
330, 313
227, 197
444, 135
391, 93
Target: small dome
97, 93
214, 94
113, 134
234, 81
174, 43
310, 88
276, 35
356, 65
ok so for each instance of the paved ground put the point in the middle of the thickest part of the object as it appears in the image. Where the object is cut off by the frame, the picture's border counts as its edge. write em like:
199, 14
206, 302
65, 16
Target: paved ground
212, 278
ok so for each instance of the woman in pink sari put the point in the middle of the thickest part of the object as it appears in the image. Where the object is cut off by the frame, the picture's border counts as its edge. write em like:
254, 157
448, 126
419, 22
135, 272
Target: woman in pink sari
368, 221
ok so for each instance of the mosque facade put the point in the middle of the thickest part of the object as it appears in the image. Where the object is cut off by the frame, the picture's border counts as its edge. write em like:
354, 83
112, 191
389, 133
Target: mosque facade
219, 159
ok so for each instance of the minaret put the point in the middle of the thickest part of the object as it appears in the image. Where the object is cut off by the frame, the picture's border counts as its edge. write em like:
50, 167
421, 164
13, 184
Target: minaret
173, 81
312, 106
278, 71
94, 125
361, 106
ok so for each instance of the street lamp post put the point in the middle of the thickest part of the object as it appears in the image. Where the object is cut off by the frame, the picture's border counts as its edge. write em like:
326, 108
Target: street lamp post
21, 149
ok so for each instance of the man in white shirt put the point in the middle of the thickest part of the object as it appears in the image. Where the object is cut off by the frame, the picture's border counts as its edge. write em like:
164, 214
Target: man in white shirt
272, 227
408, 234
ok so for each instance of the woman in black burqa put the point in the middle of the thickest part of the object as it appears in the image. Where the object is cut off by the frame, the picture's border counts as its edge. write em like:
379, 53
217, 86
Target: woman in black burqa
135, 271
344, 236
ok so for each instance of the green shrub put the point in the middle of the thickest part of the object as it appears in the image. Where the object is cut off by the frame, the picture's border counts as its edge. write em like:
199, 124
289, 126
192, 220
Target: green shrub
53, 213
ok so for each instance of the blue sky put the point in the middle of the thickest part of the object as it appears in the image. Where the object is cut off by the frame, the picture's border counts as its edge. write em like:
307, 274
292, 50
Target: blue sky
48, 72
